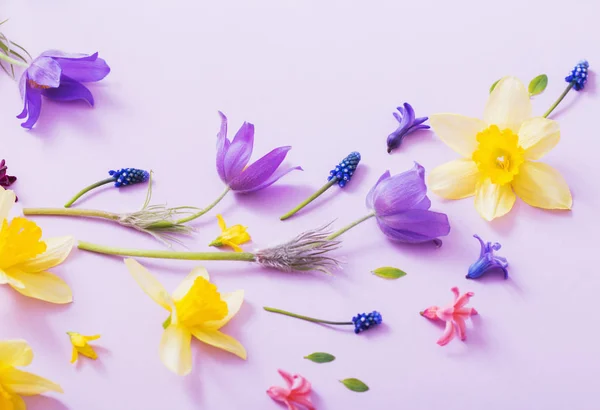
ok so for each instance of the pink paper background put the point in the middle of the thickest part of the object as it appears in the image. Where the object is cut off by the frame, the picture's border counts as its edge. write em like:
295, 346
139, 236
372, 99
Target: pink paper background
325, 78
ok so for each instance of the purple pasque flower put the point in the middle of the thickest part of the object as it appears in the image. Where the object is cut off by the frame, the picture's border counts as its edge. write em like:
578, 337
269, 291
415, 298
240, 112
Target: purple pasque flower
233, 157
401, 207
408, 124
58, 76
487, 260
5, 180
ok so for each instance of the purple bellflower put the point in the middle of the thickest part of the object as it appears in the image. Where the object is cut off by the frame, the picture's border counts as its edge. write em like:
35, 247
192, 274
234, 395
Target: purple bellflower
401, 207
233, 157
58, 76
5, 179
408, 124
487, 260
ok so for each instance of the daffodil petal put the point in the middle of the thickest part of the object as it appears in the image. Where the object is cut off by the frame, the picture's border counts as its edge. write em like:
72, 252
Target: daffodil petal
185, 286
90, 338
15, 353
25, 383
457, 131
542, 186
538, 136
234, 302
10, 401
508, 106
176, 350
43, 286
220, 340
88, 351
7, 279
149, 284
493, 200
57, 250
454, 179
7, 200
222, 224
233, 246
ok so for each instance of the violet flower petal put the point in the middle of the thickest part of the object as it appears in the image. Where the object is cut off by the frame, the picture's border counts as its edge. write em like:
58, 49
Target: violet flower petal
424, 204
371, 194
239, 152
400, 192
69, 90
271, 180
259, 171
32, 108
487, 261
45, 72
415, 225
222, 148
87, 69
407, 124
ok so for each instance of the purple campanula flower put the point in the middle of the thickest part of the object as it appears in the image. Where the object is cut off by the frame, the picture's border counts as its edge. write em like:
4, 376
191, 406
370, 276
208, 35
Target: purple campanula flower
401, 207
233, 157
408, 124
58, 76
487, 260
5, 179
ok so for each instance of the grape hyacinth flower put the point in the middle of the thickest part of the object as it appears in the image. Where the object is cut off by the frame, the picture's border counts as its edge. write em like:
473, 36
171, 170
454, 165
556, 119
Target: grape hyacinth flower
121, 178
5, 179
341, 175
407, 124
576, 79
487, 260
361, 322
58, 76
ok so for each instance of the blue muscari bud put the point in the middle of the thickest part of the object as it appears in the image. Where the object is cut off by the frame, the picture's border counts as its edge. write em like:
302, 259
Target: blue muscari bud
578, 75
344, 171
365, 321
129, 176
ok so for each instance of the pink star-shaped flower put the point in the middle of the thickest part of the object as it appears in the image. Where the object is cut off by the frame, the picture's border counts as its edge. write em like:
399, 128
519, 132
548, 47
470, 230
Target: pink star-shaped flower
297, 392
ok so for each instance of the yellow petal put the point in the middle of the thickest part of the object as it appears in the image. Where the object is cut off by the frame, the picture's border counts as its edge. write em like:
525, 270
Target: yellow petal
493, 200
455, 179
5, 279
15, 353
74, 355
88, 351
233, 246
57, 250
457, 131
25, 383
234, 302
90, 338
538, 136
43, 286
222, 224
175, 349
10, 401
542, 186
185, 286
149, 284
220, 340
508, 105
7, 200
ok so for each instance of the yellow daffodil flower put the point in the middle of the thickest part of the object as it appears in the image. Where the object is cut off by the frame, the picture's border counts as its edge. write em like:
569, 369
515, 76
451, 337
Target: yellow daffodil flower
25, 257
196, 309
80, 345
15, 383
232, 236
500, 154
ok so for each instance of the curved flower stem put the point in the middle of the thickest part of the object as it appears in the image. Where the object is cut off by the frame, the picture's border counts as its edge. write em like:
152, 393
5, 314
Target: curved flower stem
308, 319
83, 213
192, 256
352, 225
12, 61
311, 198
560, 98
88, 189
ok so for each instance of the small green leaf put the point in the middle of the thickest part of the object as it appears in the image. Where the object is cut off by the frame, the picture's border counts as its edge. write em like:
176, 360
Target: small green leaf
355, 385
494, 85
387, 272
320, 357
538, 84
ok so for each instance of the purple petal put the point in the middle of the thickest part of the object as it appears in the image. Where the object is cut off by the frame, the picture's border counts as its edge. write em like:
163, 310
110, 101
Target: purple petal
44, 71
424, 204
69, 56
32, 108
69, 90
239, 151
419, 121
87, 69
371, 194
415, 225
400, 192
260, 171
410, 113
222, 147
271, 180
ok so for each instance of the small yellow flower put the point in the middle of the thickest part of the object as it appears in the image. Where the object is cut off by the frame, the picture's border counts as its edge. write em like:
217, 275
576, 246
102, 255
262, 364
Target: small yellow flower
500, 155
15, 383
196, 309
80, 345
232, 236
25, 257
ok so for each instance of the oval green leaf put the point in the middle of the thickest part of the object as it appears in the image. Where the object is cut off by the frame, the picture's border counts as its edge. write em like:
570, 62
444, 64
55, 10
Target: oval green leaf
320, 357
388, 272
538, 84
494, 85
355, 385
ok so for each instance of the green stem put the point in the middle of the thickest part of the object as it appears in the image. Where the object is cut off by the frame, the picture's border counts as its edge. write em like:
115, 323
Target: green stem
191, 256
310, 198
83, 213
12, 61
560, 98
88, 189
308, 319
352, 225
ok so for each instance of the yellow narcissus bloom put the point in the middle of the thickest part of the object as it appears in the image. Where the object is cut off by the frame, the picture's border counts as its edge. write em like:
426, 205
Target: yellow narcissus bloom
25, 257
15, 383
232, 236
196, 309
80, 345
500, 154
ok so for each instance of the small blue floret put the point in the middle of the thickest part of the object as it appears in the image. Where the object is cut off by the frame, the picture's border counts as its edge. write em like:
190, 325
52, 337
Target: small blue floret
129, 176
366, 321
344, 171
578, 75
